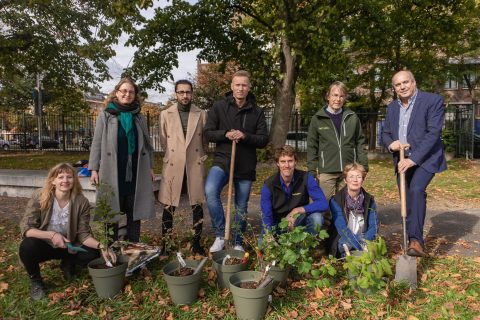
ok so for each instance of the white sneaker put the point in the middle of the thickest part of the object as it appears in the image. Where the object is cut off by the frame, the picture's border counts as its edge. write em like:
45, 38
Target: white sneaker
217, 245
239, 248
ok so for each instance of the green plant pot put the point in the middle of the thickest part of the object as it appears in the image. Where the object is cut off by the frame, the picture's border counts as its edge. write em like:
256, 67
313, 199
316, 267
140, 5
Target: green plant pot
183, 290
279, 276
249, 303
225, 272
108, 282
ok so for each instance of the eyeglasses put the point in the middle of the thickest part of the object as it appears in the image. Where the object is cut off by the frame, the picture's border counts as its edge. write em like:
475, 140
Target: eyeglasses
126, 92
355, 177
181, 93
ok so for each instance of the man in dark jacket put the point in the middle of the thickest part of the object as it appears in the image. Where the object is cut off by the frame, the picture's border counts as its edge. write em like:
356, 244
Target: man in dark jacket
415, 118
334, 140
234, 118
287, 194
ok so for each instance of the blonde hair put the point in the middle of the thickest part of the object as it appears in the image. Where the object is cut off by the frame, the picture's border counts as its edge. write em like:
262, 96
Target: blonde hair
47, 192
354, 166
242, 73
340, 85
113, 97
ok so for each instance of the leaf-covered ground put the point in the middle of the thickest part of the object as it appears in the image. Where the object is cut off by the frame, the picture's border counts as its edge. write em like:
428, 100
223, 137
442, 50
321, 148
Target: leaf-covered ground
449, 286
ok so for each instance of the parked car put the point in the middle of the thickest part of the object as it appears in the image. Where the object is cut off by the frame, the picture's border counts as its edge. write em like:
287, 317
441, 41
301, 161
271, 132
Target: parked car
47, 142
4, 144
297, 139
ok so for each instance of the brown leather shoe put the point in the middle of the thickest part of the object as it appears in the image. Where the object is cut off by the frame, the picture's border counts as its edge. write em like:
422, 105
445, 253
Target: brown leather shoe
415, 249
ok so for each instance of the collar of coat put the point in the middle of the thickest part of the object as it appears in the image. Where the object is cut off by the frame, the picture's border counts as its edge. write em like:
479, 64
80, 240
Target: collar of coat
340, 198
251, 101
323, 114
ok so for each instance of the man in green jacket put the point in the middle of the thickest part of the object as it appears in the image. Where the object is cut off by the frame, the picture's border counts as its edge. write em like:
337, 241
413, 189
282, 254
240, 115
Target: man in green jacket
334, 140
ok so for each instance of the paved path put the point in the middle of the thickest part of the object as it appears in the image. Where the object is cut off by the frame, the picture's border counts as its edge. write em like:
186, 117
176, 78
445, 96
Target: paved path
450, 231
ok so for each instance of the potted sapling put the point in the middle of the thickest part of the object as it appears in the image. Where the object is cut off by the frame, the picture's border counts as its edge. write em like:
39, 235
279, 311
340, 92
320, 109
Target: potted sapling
183, 279
251, 291
108, 278
288, 249
229, 261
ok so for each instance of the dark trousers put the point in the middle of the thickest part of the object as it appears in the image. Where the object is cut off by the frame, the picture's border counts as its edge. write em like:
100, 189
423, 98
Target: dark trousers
167, 220
133, 226
416, 183
32, 251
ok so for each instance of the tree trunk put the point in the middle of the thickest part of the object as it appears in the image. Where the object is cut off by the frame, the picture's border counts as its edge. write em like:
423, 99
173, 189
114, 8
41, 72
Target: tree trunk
284, 97
372, 139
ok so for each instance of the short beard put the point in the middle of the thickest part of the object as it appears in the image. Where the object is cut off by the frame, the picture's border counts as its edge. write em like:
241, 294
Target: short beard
186, 105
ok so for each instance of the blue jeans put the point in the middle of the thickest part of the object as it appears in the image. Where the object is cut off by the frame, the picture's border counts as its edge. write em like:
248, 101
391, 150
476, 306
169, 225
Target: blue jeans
310, 222
216, 181
416, 183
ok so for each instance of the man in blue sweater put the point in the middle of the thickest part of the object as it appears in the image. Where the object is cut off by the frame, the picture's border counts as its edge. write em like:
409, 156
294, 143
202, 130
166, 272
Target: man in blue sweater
287, 194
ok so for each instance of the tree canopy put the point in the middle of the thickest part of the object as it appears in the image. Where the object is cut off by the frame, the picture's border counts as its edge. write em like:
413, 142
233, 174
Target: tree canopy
66, 41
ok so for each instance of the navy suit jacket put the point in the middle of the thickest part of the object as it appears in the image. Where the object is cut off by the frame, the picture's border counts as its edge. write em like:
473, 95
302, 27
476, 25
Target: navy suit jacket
423, 131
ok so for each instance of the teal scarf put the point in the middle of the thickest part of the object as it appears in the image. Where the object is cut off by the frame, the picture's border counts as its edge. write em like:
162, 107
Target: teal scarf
126, 115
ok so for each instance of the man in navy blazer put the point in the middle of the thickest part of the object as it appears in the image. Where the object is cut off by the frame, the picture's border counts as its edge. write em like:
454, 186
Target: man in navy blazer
415, 118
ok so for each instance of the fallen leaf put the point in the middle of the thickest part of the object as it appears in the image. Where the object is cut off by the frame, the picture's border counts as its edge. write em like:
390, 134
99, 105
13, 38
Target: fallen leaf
292, 314
201, 293
319, 293
186, 308
449, 305
424, 277
170, 316
412, 318
3, 286
72, 313
346, 305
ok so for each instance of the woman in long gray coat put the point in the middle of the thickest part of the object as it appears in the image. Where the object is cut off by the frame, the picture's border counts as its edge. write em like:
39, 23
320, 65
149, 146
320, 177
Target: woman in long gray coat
121, 156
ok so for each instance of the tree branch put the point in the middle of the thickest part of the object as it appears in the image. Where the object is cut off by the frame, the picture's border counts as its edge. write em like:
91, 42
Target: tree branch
253, 15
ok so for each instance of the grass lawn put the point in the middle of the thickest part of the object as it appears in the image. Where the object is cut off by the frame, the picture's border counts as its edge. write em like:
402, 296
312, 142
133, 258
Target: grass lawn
449, 289
449, 286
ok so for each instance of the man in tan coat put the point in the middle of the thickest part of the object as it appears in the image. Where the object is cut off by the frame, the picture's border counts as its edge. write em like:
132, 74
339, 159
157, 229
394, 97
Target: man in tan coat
181, 137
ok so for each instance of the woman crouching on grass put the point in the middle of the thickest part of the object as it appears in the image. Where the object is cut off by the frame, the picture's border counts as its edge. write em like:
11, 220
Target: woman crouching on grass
58, 214
354, 213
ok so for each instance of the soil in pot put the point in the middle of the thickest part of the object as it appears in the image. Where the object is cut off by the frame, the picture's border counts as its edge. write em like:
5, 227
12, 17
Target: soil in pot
248, 285
182, 272
233, 265
232, 261
104, 266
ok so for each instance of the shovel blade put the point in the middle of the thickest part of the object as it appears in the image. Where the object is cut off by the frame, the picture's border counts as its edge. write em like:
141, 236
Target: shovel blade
406, 270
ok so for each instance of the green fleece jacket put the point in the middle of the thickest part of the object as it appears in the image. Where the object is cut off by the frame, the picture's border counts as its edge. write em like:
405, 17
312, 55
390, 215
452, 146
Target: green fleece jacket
330, 152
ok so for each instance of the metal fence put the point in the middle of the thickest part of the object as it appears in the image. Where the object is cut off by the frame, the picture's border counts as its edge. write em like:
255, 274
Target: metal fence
73, 132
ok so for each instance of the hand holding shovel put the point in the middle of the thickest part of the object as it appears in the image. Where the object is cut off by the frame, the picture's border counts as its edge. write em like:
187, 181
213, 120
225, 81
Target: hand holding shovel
406, 266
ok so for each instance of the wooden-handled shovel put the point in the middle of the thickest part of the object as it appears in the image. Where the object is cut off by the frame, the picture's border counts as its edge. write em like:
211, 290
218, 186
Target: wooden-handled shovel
230, 191
406, 267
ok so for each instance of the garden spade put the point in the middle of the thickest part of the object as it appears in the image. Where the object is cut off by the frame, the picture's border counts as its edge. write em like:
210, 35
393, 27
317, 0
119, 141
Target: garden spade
406, 267
229, 194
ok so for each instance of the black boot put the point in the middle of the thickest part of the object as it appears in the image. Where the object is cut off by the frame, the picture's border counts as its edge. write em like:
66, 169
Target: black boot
37, 289
68, 268
197, 229
197, 247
